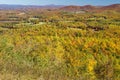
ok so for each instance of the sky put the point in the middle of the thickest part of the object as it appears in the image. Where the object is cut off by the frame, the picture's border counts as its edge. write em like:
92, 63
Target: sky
60, 2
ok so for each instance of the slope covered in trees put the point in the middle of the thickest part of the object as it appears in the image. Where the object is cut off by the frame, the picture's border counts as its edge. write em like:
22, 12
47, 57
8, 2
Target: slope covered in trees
51, 44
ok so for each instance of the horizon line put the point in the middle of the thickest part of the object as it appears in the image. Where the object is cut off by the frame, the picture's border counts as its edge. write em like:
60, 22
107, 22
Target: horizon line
57, 4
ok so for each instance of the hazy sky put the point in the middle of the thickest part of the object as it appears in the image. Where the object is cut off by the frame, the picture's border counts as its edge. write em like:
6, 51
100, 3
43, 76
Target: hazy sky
60, 2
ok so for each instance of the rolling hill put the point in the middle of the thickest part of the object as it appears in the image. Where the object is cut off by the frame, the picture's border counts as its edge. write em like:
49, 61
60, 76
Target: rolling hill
91, 8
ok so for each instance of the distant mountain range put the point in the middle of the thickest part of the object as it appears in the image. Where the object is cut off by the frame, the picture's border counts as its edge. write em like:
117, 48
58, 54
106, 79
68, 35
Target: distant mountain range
64, 8
7, 6
90, 7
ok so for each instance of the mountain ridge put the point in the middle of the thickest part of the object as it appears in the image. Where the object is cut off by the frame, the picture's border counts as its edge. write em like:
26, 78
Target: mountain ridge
91, 7
63, 7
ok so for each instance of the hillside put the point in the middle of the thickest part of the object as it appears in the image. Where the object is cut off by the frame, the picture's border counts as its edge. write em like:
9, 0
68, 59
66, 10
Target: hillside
60, 43
91, 8
111, 7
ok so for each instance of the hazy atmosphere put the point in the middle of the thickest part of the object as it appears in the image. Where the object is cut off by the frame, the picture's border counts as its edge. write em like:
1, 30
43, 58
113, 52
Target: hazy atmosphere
60, 2
59, 39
